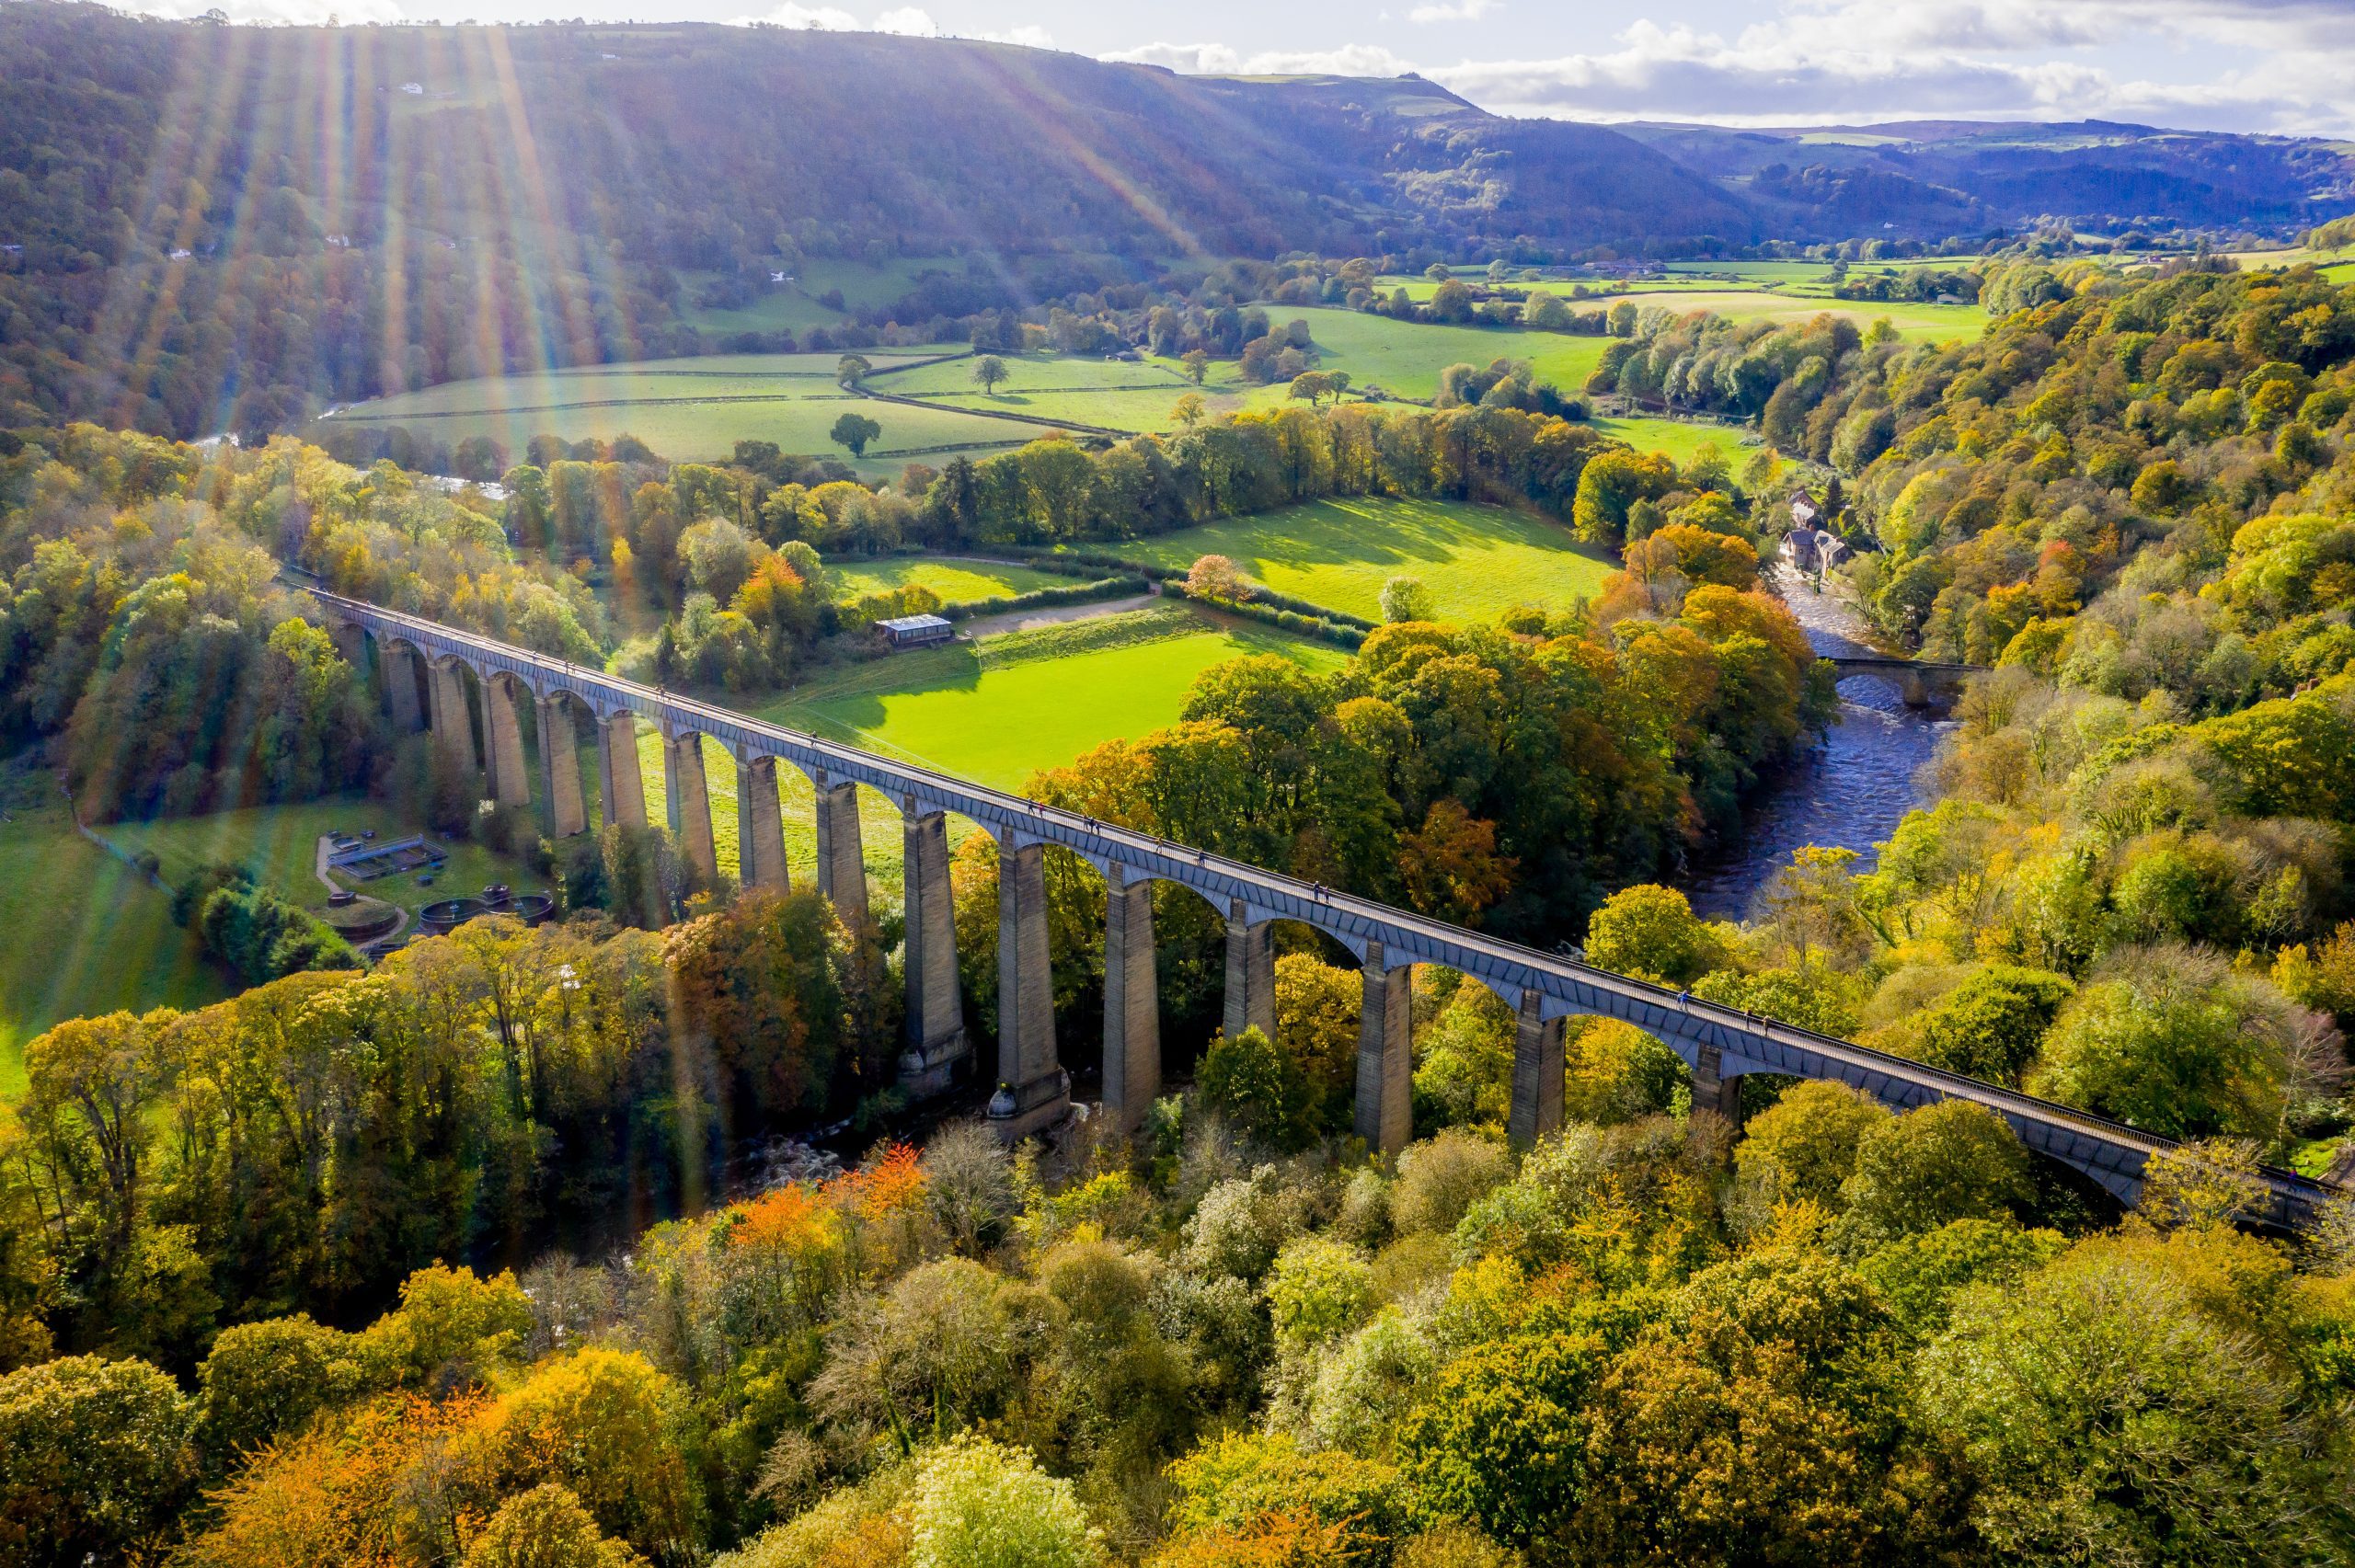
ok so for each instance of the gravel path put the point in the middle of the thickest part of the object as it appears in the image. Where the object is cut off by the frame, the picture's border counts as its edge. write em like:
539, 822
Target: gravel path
1024, 619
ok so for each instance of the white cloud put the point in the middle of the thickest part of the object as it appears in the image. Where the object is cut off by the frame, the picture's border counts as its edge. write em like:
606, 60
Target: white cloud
285, 12
1453, 11
1856, 61
1030, 36
908, 21
1220, 60
821, 19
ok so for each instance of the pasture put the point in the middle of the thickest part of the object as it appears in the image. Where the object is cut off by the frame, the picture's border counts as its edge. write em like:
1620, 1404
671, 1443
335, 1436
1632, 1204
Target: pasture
955, 578
995, 711
687, 411
1120, 395
1405, 357
1680, 439
87, 934
1477, 560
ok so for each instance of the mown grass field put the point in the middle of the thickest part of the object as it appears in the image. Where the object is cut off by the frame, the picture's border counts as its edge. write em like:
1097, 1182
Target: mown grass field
956, 580
1406, 357
1915, 323
86, 933
1477, 560
1000, 709
278, 844
1791, 291
1681, 439
687, 411
995, 711
1120, 395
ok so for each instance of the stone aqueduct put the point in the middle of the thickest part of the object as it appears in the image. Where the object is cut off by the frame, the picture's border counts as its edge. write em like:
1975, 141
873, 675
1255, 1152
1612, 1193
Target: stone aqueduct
424, 667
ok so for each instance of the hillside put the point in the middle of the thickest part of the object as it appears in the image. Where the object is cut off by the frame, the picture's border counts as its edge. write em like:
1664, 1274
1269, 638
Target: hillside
1937, 177
216, 226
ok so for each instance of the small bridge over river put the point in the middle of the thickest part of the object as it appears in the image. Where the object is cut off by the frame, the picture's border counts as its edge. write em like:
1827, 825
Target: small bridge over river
1922, 682
435, 676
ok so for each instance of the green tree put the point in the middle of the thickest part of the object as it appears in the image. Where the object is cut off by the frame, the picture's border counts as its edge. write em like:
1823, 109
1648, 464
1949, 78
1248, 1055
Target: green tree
1500, 1437
1259, 1083
1987, 1027
1804, 1146
94, 1460
1651, 933
1195, 364
854, 431
1953, 1160
2105, 1417
979, 1504
546, 1527
988, 372
851, 368
1405, 599
2168, 1048
1319, 1290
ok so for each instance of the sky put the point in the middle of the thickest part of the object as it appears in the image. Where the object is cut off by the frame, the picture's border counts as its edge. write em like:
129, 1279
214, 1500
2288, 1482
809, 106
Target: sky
2264, 65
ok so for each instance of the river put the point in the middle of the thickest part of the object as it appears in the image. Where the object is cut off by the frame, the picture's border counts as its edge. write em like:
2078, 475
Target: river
1851, 791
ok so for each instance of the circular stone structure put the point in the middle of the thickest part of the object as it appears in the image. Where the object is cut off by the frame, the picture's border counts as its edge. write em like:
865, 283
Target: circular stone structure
532, 908
442, 918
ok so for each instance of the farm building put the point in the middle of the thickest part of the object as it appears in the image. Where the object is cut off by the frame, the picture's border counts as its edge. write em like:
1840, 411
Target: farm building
917, 631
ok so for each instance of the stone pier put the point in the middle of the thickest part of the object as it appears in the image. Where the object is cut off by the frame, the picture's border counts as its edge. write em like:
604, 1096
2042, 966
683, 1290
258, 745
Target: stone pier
1034, 1093
1250, 974
760, 826
567, 811
621, 788
1131, 1000
1713, 1090
1536, 1073
396, 667
454, 724
1385, 1067
690, 802
511, 784
842, 859
937, 1048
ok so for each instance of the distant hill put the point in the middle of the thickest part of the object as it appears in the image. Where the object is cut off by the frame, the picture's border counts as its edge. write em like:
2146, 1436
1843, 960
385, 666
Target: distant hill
1950, 176
205, 227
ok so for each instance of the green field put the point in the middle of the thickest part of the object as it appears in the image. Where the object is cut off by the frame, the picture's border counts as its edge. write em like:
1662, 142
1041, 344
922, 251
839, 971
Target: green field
1406, 357
1801, 290
278, 844
781, 310
995, 710
87, 933
998, 710
956, 580
1915, 323
1477, 560
1680, 439
794, 308
685, 409
1120, 395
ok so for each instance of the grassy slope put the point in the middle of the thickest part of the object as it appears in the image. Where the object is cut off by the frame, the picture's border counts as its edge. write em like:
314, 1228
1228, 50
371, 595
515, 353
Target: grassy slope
86, 933
995, 711
1116, 394
667, 404
953, 579
1406, 357
1680, 439
1477, 560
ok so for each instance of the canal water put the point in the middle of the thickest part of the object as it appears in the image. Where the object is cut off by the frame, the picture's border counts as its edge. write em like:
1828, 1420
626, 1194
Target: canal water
1851, 791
